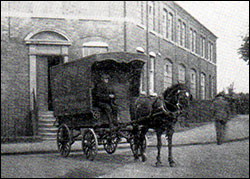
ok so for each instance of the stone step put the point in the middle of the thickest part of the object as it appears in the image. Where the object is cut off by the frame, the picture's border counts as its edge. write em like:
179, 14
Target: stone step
48, 138
47, 130
46, 118
47, 134
46, 123
46, 113
49, 124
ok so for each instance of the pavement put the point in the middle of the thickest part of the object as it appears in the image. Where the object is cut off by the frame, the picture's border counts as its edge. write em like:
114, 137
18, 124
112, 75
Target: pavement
179, 139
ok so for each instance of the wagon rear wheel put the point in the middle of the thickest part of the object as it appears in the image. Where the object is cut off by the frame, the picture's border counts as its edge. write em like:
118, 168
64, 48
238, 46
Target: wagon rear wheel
64, 140
89, 144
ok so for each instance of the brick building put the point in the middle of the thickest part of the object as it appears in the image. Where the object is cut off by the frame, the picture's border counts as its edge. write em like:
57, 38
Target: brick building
38, 35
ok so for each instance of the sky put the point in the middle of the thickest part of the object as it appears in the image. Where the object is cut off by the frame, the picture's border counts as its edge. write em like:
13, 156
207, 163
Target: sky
229, 21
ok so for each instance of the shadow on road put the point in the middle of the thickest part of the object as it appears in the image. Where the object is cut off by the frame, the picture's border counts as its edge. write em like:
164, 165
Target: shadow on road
103, 163
203, 143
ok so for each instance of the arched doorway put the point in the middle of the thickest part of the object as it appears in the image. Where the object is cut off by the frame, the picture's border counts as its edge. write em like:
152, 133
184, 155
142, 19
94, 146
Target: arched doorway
47, 47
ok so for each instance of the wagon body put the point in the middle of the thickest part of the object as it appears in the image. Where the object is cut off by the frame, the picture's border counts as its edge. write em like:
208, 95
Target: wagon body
72, 84
74, 88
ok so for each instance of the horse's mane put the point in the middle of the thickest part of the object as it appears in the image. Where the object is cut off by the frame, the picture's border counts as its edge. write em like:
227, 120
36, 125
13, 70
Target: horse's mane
173, 88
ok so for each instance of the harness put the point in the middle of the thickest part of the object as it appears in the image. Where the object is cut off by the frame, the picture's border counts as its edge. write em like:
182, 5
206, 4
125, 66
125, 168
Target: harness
164, 110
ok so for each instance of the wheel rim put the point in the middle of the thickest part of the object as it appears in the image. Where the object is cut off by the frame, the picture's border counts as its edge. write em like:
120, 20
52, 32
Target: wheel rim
145, 142
110, 144
133, 146
63, 140
90, 144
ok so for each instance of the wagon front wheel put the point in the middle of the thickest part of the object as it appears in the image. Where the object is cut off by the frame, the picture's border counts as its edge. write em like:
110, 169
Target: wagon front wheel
110, 144
133, 145
89, 144
63, 140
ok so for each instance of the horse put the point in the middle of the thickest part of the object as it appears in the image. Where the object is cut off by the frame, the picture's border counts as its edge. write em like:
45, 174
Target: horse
160, 114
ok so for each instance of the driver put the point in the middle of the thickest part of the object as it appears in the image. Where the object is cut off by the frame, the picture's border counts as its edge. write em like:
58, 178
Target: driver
103, 97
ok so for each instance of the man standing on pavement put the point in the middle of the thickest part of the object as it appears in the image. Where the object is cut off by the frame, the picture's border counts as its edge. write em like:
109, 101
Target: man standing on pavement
221, 115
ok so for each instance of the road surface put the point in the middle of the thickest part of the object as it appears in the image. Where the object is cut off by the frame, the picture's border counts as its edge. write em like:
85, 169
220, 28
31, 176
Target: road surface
195, 152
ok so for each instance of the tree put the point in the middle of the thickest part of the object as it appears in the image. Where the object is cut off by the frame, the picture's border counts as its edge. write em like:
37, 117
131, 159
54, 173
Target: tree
244, 49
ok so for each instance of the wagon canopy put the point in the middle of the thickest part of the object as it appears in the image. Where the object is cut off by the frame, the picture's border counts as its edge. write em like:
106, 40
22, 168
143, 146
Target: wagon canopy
72, 83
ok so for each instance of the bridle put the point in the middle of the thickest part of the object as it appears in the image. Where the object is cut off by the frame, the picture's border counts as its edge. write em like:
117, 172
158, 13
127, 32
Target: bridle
167, 100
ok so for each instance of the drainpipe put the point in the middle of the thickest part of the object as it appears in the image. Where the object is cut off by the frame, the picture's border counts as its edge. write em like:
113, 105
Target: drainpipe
147, 50
125, 25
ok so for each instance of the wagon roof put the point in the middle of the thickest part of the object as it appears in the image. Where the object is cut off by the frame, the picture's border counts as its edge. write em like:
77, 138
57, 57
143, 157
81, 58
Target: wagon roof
120, 57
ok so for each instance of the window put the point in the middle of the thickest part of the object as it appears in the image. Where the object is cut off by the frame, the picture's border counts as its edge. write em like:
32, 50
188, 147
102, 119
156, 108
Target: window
143, 79
94, 47
213, 82
210, 51
203, 86
170, 27
140, 50
182, 74
191, 40
210, 86
179, 32
193, 82
202, 46
151, 73
184, 33
194, 42
140, 5
165, 23
151, 13
168, 73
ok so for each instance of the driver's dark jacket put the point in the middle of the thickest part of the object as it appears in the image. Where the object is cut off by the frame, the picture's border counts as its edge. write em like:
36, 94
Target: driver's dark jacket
101, 92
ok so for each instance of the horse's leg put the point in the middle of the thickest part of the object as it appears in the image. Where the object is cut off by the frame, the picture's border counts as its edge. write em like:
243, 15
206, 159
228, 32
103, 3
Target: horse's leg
144, 131
159, 144
170, 133
136, 142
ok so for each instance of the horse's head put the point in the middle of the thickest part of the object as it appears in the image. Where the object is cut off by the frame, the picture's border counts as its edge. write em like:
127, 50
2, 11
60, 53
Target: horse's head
177, 97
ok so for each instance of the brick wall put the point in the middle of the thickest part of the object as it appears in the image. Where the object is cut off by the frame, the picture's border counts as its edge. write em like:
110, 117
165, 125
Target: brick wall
15, 104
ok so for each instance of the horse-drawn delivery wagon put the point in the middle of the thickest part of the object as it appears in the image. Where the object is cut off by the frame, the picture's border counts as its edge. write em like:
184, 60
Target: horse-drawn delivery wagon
93, 97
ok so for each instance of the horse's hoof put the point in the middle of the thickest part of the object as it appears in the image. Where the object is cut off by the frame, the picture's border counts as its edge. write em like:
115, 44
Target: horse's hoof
158, 164
144, 158
172, 164
136, 159
219, 143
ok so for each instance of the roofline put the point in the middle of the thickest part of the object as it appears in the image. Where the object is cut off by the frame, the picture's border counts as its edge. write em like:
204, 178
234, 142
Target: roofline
175, 3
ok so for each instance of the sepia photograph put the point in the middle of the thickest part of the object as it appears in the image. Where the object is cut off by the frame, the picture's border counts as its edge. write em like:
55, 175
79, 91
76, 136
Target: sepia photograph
124, 89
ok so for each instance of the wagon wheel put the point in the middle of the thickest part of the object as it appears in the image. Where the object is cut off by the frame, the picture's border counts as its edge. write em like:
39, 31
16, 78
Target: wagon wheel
89, 144
133, 146
64, 140
110, 144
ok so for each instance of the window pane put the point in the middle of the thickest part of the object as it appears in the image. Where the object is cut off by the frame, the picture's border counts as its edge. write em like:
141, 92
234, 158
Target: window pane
168, 74
203, 92
182, 74
93, 50
170, 29
184, 35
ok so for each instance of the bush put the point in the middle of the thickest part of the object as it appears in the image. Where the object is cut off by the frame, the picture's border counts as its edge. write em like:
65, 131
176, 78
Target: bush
200, 111
242, 103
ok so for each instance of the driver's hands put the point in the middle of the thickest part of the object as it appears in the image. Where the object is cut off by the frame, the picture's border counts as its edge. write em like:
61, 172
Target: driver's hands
111, 95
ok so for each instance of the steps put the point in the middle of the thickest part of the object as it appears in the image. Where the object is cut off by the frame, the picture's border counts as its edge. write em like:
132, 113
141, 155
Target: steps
46, 129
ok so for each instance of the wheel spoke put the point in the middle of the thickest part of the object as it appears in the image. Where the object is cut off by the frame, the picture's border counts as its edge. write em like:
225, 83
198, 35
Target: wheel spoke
63, 140
89, 144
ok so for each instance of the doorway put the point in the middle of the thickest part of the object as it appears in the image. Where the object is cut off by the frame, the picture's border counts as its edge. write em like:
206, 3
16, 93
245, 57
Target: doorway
52, 61
44, 95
